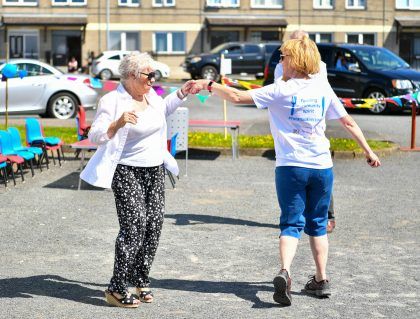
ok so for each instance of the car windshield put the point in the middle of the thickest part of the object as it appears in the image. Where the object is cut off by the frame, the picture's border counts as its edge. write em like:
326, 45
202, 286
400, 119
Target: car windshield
379, 58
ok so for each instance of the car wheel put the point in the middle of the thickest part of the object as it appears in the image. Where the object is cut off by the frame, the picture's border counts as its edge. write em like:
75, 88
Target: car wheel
62, 106
105, 74
158, 75
379, 108
209, 73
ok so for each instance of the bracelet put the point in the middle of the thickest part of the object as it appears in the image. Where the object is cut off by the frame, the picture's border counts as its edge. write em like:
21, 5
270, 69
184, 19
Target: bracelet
181, 95
209, 86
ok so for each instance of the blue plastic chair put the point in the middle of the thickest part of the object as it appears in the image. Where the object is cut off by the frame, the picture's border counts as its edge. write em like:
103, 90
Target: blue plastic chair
35, 137
7, 149
17, 145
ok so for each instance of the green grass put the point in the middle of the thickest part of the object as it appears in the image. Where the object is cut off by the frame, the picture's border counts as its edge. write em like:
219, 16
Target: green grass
197, 139
204, 139
67, 134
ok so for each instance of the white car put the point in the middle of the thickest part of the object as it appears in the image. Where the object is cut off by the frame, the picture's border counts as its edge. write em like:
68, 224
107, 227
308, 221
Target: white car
46, 90
105, 66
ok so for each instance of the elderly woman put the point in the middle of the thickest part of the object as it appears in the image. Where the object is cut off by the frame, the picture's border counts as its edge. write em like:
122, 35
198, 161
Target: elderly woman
298, 106
130, 129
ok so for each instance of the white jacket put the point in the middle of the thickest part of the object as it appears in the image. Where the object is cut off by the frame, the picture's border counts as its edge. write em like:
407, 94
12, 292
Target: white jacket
100, 169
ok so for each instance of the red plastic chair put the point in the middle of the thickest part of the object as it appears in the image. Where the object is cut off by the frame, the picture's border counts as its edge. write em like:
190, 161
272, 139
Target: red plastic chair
3, 167
13, 159
82, 126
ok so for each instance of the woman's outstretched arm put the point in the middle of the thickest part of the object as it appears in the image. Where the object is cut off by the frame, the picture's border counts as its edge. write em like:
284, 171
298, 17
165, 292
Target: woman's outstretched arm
351, 126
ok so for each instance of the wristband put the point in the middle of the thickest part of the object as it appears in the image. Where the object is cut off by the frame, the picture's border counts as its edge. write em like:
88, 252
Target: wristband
180, 95
209, 86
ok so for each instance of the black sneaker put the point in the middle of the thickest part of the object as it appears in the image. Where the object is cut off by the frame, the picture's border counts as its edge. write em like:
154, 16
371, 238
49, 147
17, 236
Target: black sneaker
282, 285
320, 289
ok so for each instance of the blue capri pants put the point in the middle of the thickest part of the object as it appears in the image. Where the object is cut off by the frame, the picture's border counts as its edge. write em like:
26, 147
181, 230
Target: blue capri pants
304, 196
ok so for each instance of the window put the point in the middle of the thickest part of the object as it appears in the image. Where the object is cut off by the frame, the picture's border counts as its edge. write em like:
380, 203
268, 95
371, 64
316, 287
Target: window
323, 4
128, 3
252, 49
169, 42
321, 37
355, 4
408, 4
126, 41
163, 3
259, 36
267, 4
361, 38
33, 69
236, 49
24, 44
20, 2
69, 2
223, 3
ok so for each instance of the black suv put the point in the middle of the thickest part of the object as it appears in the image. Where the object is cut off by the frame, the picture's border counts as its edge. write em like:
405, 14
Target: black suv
249, 58
361, 71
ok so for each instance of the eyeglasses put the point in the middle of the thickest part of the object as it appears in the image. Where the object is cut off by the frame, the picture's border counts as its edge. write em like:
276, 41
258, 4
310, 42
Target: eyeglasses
150, 75
282, 57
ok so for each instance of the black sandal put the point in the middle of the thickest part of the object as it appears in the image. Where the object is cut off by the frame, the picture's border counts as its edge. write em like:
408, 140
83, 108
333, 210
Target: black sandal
145, 294
124, 302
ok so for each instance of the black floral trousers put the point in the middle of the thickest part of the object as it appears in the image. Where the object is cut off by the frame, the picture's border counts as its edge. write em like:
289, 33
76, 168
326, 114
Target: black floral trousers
140, 200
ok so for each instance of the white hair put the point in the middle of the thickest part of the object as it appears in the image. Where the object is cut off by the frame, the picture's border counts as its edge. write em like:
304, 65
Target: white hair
299, 34
133, 64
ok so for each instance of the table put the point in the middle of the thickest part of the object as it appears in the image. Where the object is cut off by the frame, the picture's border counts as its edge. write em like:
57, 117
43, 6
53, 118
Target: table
83, 146
232, 125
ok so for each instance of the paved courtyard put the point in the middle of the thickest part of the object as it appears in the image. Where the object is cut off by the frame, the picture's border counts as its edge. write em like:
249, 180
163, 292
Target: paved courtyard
218, 252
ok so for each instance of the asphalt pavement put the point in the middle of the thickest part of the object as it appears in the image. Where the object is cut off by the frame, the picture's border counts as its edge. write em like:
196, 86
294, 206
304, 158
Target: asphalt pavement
218, 252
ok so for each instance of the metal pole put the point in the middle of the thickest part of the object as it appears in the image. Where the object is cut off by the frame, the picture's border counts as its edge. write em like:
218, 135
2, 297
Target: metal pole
413, 124
107, 25
7, 83
99, 27
413, 130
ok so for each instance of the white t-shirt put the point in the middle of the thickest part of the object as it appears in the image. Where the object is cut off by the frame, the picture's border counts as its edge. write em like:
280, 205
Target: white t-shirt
143, 147
297, 111
278, 71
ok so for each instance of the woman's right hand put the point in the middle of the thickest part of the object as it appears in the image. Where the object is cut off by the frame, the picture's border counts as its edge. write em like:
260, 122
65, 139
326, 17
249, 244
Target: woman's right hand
373, 160
126, 117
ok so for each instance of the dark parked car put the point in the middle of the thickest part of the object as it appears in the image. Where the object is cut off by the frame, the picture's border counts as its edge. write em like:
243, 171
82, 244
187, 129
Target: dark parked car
361, 71
249, 58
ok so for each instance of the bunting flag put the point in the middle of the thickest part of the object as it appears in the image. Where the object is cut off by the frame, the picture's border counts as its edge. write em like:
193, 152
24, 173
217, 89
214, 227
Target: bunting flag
159, 90
95, 83
109, 85
202, 98
400, 101
368, 103
359, 103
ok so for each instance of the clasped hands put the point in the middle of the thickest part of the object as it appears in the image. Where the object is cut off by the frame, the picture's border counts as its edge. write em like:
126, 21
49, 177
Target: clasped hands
194, 86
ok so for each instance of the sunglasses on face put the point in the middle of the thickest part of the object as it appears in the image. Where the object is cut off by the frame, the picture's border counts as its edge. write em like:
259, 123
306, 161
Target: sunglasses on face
150, 75
282, 56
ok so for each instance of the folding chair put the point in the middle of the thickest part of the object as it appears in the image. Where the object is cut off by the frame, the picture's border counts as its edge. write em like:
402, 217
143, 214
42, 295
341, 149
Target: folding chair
8, 151
35, 137
17, 145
